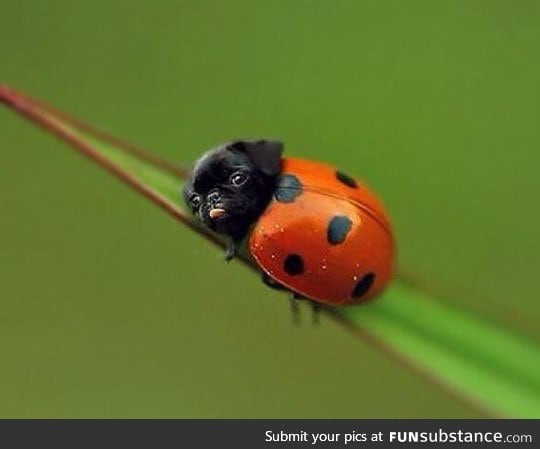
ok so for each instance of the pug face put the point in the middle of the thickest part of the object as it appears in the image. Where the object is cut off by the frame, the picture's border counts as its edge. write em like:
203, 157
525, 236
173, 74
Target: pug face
231, 184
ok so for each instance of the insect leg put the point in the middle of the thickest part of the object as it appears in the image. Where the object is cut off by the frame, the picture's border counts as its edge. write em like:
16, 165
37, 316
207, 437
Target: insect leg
295, 310
315, 312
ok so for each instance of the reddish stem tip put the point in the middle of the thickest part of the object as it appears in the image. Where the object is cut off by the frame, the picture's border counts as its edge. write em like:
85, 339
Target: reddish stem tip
6, 94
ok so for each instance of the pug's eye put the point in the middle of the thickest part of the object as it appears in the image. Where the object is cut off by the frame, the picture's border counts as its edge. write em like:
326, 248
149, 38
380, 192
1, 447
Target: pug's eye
195, 200
237, 179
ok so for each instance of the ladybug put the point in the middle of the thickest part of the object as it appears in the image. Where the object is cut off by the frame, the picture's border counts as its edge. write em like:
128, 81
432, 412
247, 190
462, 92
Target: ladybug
310, 228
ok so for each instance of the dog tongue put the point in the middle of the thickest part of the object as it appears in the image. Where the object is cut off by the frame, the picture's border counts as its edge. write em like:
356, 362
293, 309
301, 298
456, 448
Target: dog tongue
216, 213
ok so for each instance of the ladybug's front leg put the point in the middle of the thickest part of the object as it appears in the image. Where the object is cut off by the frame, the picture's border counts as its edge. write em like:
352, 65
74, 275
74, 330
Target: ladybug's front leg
232, 249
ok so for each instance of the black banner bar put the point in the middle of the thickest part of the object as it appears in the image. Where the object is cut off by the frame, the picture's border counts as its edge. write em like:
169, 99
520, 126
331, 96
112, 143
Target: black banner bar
268, 433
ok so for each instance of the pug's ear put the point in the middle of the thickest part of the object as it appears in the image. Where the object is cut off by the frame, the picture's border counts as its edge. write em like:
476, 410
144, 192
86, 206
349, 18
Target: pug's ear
264, 154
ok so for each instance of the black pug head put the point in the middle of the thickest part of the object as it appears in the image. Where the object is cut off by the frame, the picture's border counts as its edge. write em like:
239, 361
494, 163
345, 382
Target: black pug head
231, 185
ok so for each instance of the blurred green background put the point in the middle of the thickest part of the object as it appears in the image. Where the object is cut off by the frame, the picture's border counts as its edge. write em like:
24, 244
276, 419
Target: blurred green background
110, 309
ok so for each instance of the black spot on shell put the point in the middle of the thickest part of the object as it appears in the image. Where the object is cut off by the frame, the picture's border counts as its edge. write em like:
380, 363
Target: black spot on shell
363, 285
338, 228
288, 189
293, 265
346, 179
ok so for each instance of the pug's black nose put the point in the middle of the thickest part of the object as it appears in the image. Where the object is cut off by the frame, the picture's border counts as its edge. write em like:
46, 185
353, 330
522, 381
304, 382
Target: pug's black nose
213, 197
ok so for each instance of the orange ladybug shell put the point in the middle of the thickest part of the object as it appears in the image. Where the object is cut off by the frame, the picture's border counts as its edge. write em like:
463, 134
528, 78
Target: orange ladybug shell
324, 235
